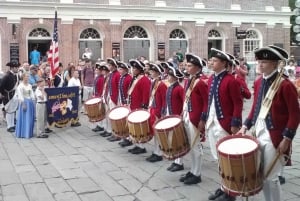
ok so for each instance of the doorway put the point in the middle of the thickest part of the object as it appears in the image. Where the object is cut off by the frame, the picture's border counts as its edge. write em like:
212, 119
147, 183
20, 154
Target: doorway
217, 44
42, 46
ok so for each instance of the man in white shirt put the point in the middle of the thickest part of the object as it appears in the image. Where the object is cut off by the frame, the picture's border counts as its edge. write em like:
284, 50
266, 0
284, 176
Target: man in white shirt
75, 82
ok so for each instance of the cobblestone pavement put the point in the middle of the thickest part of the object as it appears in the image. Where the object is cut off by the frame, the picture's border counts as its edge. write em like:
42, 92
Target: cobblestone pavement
77, 164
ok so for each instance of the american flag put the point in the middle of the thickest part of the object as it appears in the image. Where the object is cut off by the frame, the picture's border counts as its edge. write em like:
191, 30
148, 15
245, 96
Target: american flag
53, 52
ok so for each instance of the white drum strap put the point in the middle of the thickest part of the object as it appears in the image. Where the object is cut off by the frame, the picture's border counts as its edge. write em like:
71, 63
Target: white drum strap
157, 82
190, 89
133, 84
104, 87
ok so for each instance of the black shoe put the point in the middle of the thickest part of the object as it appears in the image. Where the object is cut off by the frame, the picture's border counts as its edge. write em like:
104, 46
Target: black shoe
48, 130
171, 166
76, 124
139, 151
11, 130
281, 179
176, 167
125, 143
113, 138
193, 179
42, 136
154, 158
103, 134
185, 176
217, 194
106, 134
225, 197
132, 149
97, 129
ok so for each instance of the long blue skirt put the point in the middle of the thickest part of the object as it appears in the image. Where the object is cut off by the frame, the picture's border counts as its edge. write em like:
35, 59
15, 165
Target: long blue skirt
25, 120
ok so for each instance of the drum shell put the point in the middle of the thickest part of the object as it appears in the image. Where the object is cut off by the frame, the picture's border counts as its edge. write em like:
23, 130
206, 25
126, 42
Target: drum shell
96, 111
179, 145
241, 173
139, 131
119, 126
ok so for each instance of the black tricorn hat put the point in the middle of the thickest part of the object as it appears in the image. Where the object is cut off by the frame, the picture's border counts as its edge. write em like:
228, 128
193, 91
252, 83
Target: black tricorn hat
167, 64
219, 54
175, 72
122, 65
112, 62
271, 52
156, 67
13, 64
134, 63
194, 59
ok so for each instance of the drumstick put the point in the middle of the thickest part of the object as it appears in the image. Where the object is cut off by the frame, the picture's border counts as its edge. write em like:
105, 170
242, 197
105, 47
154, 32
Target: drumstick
195, 139
272, 164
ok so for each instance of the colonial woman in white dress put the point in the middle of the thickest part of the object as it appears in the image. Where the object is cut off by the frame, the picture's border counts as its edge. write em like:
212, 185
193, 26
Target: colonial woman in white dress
26, 111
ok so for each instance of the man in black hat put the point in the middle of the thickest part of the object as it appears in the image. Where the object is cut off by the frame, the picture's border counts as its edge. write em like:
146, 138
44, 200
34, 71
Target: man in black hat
194, 115
123, 86
111, 99
174, 103
7, 89
225, 107
275, 123
138, 97
157, 106
101, 91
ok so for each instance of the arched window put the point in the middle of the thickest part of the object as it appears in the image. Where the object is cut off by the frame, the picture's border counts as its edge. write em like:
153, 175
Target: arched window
214, 34
90, 38
215, 40
178, 44
251, 42
89, 34
39, 32
135, 32
177, 34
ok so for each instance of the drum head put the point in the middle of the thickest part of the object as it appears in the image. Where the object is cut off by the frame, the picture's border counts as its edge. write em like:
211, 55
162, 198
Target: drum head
118, 113
167, 123
93, 101
138, 116
237, 146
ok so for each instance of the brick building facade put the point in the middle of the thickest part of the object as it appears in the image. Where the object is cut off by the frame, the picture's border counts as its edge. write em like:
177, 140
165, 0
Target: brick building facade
132, 28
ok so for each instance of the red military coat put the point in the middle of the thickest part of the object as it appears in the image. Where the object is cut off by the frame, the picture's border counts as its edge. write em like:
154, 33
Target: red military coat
139, 97
124, 83
197, 105
174, 99
284, 112
245, 92
158, 104
99, 84
230, 100
113, 86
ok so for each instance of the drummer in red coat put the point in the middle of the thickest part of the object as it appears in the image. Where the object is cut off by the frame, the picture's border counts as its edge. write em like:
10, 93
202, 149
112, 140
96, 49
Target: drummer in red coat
225, 105
245, 92
124, 83
98, 88
138, 97
157, 105
102, 125
111, 98
194, 115
174, 103
276, 128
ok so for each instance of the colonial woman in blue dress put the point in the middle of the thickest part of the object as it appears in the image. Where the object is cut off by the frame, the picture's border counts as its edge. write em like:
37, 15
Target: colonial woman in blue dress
26, 111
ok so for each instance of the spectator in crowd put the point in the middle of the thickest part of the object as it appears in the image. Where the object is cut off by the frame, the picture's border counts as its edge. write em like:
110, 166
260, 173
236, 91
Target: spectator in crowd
35, 56
33, 77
